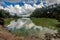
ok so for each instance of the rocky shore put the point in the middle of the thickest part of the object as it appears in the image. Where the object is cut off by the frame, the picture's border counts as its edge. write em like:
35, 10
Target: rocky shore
6, 35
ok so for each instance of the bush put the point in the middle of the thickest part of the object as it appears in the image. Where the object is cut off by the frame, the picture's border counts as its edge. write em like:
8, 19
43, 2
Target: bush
58, 25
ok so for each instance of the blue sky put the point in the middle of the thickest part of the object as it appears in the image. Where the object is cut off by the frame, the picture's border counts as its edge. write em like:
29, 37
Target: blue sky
8, 2
21, 2
25, 9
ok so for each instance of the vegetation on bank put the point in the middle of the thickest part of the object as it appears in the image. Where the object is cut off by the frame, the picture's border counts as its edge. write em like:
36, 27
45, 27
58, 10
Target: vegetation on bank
47, 17
6, 18
45, 22
48, 12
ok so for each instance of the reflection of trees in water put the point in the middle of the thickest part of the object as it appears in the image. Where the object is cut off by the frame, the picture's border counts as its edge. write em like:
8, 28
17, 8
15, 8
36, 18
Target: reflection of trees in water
27, 28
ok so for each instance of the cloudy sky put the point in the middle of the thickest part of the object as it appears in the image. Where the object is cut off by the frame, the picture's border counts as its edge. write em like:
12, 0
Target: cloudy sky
50, 1
19, 10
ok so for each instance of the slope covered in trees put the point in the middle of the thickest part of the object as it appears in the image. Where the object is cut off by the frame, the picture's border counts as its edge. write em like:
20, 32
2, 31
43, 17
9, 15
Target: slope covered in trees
52, 11
5, 17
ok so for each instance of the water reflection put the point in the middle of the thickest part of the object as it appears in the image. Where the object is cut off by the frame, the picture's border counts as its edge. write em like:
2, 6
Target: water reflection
27, 24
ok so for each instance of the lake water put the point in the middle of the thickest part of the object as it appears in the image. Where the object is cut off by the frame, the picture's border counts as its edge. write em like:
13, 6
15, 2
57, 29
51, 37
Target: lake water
28, 24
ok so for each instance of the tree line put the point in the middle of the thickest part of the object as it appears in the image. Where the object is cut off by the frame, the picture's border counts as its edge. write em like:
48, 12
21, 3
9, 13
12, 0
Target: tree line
52, 11
47, 12
4, 15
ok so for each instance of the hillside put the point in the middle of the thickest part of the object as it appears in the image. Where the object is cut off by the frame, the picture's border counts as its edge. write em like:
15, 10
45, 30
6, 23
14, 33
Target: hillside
46, 16
52, 11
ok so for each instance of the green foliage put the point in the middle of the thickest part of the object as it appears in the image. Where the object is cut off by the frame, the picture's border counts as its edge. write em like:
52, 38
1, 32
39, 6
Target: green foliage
4, 14
58, 30
46, 16
45, 22
47, 12
7, 21
6, 17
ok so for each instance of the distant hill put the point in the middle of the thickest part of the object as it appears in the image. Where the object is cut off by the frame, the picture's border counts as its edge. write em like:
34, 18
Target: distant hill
52, 11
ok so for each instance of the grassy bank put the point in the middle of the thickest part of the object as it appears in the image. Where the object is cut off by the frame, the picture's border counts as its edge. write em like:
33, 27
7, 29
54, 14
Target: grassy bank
8, 20
45, 22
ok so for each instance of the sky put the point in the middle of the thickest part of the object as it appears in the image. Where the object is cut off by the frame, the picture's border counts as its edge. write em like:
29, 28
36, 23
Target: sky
20, 2
22, 8
50, 1
26, 9
26, 1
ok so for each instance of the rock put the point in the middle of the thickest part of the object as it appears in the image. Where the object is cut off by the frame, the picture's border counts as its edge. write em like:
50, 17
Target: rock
57, 35
49, 36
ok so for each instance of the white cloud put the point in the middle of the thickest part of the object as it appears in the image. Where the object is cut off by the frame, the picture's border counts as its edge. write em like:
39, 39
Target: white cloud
1, 7
24, 10
53, 1
21, 10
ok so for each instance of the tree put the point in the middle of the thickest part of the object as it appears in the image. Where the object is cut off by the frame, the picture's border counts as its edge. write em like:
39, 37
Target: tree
47, 12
